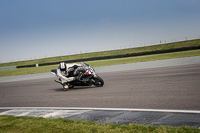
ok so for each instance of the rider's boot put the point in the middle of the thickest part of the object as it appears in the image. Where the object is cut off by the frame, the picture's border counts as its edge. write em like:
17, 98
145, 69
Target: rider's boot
65, 86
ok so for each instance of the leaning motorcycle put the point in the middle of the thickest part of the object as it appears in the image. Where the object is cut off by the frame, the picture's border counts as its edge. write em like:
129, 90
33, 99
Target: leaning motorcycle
88, 78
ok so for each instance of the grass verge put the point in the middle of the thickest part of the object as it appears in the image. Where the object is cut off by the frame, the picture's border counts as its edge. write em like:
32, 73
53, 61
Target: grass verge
188, 43
12, 124
23, 71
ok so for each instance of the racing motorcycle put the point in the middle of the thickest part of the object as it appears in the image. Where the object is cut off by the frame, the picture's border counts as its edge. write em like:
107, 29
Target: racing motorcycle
88, 77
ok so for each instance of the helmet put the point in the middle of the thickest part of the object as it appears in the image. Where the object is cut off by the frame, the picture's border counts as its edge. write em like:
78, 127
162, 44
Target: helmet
63, 66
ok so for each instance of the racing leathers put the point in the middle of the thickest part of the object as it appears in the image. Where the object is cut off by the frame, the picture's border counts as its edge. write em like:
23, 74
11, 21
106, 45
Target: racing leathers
65, 75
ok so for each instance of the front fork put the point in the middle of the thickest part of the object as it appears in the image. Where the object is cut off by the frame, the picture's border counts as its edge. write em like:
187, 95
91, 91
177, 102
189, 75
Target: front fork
92, 79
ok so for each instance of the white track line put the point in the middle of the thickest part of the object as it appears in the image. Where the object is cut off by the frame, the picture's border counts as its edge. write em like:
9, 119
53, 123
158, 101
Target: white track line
104, 109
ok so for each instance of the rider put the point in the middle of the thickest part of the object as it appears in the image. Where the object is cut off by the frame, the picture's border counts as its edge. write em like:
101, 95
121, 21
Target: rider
68, 73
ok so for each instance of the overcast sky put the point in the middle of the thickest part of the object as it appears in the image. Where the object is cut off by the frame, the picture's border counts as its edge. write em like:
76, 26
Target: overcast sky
32, 29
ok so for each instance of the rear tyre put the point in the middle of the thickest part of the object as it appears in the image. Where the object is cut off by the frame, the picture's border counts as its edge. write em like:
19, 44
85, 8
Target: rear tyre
98, 81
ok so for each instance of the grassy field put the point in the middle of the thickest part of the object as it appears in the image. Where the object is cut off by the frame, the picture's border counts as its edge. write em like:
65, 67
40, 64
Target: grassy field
32, 70
11, 124
189, 43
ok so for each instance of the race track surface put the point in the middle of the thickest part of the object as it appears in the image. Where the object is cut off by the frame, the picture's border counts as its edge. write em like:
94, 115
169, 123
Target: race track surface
175, 87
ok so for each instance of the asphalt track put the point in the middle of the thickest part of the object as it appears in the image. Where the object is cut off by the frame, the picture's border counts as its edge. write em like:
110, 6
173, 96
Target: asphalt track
170, 88
174, 87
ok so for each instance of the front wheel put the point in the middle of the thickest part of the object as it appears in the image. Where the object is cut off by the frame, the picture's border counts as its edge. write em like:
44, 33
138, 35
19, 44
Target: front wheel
98, 81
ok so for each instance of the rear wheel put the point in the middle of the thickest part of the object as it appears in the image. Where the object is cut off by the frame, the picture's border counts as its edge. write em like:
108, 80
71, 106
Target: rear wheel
98, 81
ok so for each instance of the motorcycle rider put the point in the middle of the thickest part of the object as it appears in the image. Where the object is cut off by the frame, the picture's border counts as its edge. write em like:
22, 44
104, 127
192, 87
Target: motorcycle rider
68, 73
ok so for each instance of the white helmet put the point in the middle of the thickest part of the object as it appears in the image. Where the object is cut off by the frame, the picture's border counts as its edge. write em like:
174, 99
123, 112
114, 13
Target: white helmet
63, 66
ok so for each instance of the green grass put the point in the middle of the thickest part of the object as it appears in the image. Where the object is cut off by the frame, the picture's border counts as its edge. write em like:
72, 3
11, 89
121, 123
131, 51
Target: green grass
12, 124
189, 43
144, 58
32, 70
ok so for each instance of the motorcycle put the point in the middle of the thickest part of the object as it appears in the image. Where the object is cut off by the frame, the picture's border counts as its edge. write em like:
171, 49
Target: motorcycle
88, 77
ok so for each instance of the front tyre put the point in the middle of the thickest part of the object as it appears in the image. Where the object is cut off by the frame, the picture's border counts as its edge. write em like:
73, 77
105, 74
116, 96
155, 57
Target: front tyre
98, 81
